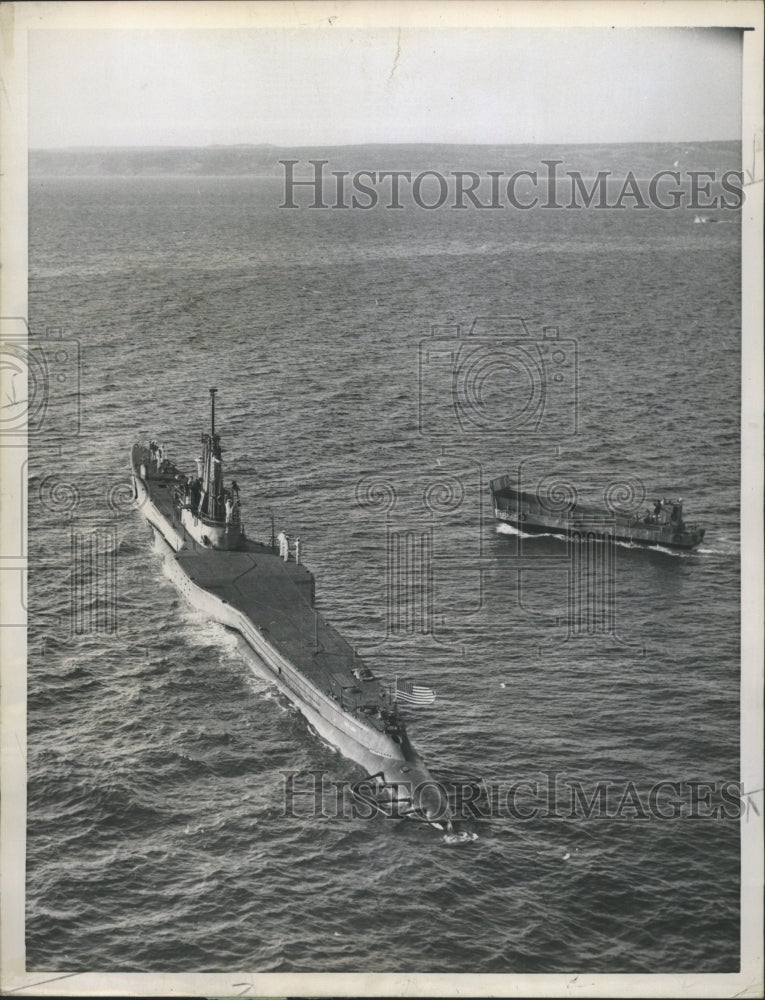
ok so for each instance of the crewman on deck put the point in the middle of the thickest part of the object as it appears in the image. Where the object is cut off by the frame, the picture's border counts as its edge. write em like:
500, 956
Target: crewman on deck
676, 517
284, 545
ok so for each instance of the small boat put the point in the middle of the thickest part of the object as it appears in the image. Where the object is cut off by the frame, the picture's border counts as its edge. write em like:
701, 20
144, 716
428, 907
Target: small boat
537, 513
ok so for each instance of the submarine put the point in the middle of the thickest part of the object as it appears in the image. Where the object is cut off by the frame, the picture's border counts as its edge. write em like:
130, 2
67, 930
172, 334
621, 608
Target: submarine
263, 591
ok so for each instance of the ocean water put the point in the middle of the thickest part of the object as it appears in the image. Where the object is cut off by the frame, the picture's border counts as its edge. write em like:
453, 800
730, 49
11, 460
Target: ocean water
158, 837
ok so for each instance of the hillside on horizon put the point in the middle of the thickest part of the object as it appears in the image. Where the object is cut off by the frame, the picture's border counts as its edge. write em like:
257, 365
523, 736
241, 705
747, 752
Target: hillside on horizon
643, 159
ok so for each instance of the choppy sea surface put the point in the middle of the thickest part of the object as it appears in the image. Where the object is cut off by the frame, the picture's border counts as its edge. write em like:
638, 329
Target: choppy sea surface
158, 837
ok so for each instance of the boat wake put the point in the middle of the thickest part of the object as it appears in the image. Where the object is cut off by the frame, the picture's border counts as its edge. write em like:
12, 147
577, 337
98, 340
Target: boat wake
509, 529
197, 625
460, 838
281, 703
677, 553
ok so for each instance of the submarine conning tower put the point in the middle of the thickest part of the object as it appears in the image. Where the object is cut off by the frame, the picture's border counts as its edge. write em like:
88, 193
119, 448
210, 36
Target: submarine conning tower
209, 510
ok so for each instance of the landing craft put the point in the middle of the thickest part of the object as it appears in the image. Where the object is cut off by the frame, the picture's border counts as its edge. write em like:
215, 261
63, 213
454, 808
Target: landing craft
265, 593
661, 524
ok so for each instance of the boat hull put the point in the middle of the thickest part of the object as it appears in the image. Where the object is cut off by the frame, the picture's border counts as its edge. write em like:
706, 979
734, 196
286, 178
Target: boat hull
584, 533
531, 515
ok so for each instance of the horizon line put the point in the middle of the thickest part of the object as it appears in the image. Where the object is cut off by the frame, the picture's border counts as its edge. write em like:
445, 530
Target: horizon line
359, 145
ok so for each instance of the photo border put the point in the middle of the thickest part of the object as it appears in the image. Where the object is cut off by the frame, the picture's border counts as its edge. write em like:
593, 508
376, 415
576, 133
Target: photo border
16, 19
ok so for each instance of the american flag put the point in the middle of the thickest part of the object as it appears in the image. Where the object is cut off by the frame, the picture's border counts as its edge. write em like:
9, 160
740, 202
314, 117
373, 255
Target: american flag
412, 694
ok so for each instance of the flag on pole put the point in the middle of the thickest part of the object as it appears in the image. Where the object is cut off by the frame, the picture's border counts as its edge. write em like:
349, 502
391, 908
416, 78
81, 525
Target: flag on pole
412, 694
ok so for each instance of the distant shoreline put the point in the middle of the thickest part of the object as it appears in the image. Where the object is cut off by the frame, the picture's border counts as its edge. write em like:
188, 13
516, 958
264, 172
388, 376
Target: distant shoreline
641, 158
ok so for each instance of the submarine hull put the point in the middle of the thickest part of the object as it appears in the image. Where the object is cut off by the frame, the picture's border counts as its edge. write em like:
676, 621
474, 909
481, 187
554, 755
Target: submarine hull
269, 603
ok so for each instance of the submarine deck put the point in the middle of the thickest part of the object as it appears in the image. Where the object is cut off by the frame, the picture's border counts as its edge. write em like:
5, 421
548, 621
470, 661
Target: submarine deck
277, 597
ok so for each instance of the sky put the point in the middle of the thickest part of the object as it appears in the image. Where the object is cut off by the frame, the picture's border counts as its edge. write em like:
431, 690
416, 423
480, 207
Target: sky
115, 87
